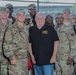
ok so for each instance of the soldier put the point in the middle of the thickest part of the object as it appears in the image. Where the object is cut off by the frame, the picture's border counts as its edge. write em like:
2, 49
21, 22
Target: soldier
68, 27
4, 23
64, 64
32, 12
73, 19
28, 20
16, 45
71, 35
49, 20
11, 17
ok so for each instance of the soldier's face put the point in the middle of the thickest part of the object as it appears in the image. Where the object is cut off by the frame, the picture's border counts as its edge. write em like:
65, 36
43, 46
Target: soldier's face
10, 9
66, 15
59, 20
20, 17
73, 19
49, 19
32, 11
4, 15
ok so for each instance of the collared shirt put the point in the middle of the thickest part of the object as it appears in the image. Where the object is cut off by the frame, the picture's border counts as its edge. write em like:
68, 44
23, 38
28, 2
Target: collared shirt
42, 41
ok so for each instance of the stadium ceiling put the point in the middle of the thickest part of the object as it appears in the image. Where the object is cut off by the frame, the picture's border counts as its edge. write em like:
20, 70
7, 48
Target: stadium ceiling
46, 1
41, 2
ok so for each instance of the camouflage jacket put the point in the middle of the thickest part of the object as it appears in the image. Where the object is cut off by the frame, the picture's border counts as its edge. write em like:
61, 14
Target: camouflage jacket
67, 42
72, 39
2, 30
63, 49
16, 42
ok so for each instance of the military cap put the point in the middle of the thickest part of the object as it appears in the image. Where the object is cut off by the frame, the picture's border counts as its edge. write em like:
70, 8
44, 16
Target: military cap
59, 15
73, 15
20, 10
5, 10
28, 16
66, 9
31, 6
8, 5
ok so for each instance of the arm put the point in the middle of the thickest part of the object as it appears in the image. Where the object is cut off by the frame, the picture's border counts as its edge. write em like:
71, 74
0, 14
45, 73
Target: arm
31, 54
55, 40
9, 46
53, 59
56, 44
30, 50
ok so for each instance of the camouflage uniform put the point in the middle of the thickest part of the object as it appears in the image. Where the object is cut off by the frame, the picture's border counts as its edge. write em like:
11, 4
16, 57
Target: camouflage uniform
15, 47
30, 22
72, 38
3, 61
67, 48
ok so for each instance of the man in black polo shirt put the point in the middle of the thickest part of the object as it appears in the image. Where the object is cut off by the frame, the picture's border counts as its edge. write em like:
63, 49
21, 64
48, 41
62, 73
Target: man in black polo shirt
43, 43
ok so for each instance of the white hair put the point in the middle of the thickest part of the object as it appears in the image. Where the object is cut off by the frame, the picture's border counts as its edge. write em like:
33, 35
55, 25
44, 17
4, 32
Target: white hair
39, 13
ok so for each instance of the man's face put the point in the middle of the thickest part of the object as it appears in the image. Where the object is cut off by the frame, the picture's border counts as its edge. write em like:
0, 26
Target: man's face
73, 19
4, 15
49, 19
10, 9
66, 15
59, 20
40, 20
32, 11
20, 17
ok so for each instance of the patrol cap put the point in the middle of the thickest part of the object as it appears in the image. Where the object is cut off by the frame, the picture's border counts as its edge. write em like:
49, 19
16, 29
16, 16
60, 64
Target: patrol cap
28, 16
31, 6
73, 15
66, 9
20, 10
5, 10
59, 15
8, 5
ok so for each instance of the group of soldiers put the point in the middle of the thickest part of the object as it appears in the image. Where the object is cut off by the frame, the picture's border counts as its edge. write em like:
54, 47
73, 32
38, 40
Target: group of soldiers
66, 55
13, 48
13, 42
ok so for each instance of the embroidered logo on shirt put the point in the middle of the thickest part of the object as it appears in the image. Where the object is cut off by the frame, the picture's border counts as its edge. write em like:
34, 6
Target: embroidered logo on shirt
44, 32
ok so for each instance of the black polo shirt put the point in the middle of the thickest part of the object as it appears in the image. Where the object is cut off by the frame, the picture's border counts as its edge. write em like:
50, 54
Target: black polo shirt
42, 43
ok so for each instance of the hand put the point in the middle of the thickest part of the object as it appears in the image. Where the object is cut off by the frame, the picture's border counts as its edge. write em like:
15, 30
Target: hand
53, 59
69, 61
13, 62
33, 59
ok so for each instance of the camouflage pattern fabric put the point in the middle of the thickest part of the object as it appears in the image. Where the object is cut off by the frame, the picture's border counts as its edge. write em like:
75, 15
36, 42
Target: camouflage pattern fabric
72, 39
3, 61
15, 47
19, 69
63, 69
67, 48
